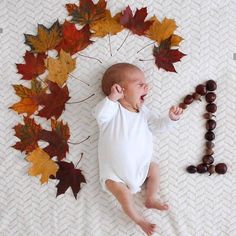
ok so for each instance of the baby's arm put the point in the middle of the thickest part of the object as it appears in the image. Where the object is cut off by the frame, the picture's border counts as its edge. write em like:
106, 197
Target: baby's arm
163, 124
106, 108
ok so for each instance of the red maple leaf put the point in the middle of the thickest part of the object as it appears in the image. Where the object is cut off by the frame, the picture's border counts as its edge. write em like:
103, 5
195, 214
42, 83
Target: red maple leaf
57, 139
74, 40
54, 102
164, 58
33, 67
28, 134
135, 23
69, 176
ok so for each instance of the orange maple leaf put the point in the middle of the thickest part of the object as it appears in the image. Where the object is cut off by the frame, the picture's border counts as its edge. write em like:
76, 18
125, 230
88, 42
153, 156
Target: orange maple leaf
27, 103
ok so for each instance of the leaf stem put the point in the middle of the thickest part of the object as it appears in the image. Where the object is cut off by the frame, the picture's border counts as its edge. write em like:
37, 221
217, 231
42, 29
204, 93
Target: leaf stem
109, 38
81, 100
90, 57
42, 80
146, 59
145, 47
80, 141
79, 159
123, 41
78, 79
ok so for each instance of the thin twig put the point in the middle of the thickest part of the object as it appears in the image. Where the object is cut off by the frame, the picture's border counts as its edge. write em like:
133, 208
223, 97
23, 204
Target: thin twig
81, 100
90, 57
42, 80
145, 47
146, 59
109, 37
79, 142
79, 159
123, 41
78, 79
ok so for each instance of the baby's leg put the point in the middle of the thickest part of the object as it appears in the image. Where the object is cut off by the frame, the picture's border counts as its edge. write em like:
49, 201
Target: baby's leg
153, 186
125, 198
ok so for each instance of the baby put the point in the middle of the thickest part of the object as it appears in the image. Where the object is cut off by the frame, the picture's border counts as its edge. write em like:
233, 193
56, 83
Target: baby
125, 143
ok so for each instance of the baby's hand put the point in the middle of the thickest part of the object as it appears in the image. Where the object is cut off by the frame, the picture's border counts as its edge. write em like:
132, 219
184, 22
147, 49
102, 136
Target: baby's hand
116, 92
175, 112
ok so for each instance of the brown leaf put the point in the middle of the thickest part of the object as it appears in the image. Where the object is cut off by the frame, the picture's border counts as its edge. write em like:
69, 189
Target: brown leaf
57, 139
69, 176
164, 58
54, 102
28, 133
136, 23
87, 12
46, 38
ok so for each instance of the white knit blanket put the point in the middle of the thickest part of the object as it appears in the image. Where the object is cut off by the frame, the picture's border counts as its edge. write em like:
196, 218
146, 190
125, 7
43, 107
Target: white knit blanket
200, 205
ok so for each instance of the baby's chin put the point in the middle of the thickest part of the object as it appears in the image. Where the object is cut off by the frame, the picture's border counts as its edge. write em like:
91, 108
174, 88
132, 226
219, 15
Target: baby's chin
140, 104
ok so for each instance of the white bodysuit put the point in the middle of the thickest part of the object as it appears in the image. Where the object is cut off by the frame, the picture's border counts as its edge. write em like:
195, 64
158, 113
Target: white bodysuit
125, 144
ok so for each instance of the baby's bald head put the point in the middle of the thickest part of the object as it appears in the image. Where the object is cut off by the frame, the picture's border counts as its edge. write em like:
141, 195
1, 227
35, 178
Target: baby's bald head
117, 73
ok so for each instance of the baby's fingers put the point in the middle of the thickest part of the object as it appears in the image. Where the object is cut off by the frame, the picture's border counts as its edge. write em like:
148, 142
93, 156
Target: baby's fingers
179, 111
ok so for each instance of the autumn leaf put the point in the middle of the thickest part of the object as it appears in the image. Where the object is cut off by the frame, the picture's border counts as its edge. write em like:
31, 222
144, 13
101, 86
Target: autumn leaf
46, 38
27, 103
74, 40
59, 68
107, 25
135, 23
160, 31
87, 12
33, 67
41, 165
175, 40
57, 139
164, 58
28, 133
54, 102
69, 176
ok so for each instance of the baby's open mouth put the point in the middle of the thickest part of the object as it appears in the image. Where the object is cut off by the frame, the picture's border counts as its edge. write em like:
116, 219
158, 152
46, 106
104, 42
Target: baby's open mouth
142, 97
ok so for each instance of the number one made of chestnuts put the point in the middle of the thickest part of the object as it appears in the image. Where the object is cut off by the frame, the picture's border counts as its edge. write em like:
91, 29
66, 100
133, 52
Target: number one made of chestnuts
207, 90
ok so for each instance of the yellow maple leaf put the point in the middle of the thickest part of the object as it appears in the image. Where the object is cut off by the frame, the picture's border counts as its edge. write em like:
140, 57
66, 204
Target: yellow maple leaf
160, 31
59, 68
106, 25
45, 39
42, 165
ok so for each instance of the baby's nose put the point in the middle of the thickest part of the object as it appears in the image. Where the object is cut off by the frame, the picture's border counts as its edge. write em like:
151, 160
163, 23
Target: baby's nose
146, 87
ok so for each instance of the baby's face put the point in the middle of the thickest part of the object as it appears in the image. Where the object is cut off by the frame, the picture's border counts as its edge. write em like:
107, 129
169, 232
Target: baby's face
135, 87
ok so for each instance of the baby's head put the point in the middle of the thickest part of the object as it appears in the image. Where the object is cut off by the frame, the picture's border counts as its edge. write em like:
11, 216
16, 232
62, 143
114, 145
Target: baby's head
129, 77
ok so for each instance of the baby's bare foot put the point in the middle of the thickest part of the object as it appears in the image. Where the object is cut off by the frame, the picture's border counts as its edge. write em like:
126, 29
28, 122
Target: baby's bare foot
147, 227
156, 204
